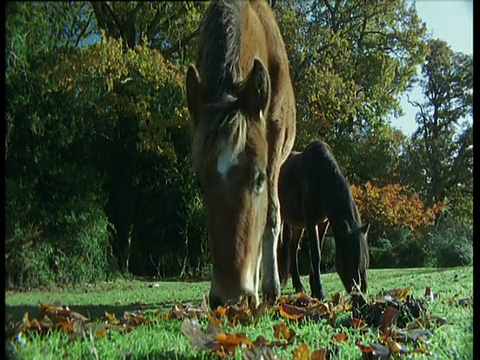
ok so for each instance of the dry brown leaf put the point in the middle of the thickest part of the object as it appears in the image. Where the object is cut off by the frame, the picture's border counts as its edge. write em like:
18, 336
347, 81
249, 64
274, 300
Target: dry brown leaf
320, 354
340, 337
111, 318
358, 323
234, 339
283, 330
291, 312
198, 339
402, 293
260, 310
302, 352
395, 347
101, 332
390, 317
336, 298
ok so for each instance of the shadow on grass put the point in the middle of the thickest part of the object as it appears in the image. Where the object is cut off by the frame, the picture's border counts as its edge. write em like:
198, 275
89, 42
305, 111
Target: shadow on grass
171, 355
16, 312
400, 272
11, 354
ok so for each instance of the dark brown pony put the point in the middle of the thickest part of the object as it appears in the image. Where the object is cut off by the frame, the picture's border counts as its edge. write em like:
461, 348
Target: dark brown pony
313, 194
242, 107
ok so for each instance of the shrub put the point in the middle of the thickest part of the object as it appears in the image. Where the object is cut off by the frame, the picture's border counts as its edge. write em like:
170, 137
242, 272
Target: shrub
381, 255
450, 244
399, 250
328, 255
409, 253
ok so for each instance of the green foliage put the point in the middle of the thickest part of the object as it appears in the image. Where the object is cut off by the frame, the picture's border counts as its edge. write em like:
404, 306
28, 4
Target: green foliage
438, 161
450, 244
97, 143
142, 137
381, 254
168, 27
399, 250
328, 254
56, 230
349, 61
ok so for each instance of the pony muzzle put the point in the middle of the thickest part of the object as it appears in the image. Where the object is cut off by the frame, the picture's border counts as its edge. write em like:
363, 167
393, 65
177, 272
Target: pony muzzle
216, 300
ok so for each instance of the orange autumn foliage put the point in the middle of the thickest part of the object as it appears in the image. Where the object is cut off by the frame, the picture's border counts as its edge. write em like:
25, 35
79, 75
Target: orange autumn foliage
393, 206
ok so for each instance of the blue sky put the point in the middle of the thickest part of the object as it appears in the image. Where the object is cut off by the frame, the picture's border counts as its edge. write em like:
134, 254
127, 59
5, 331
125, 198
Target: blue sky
449, 20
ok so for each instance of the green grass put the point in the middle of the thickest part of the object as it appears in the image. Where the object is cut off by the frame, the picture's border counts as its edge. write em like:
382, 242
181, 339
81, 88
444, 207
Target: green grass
164, 339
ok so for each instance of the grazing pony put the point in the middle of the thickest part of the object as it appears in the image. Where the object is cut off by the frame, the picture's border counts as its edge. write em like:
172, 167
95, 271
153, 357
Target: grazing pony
314, 193
242, 109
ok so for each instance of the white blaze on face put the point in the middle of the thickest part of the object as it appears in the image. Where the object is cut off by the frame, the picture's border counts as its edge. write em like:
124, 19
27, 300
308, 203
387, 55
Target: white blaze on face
226, 160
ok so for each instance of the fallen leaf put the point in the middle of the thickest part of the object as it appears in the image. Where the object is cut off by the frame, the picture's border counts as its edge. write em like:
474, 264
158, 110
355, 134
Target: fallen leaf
411, 335
111, 318
281, 329
395, 347
302, 352
320, 354
336, 298
364, 348
101, 331
390, 317
451, 299
260, 310
340, 337
234, 339
198, 339
358, 323
402, 293
291, 312
379, 352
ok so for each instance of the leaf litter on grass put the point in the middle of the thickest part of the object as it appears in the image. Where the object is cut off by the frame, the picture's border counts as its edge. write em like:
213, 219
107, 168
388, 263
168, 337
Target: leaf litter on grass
397, 317
57, 318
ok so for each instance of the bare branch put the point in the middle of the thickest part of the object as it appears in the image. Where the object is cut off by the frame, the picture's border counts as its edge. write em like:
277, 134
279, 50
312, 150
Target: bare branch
153, 27
84, 30
183, 42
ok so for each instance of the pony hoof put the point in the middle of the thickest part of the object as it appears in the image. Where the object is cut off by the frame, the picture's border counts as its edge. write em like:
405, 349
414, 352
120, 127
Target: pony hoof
271, 295
320, 296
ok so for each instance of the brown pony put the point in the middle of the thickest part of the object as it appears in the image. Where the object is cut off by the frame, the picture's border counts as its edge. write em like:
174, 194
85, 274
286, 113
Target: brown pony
242, 107
313, 194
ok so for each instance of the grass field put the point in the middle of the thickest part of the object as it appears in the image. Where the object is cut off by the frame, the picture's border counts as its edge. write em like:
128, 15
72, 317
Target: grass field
164, 338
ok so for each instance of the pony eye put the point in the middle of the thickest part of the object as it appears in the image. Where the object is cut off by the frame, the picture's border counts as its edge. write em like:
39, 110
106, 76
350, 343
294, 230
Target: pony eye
259, 182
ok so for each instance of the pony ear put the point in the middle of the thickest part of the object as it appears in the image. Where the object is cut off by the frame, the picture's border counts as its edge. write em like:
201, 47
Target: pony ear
364, 228
256, 90
193, 92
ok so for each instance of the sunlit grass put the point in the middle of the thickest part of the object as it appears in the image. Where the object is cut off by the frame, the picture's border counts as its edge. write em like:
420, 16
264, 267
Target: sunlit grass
164, 339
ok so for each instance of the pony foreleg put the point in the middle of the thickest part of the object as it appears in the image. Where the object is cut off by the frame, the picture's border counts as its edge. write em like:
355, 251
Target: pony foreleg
283, 253
295, 242
270, 279
315, 282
